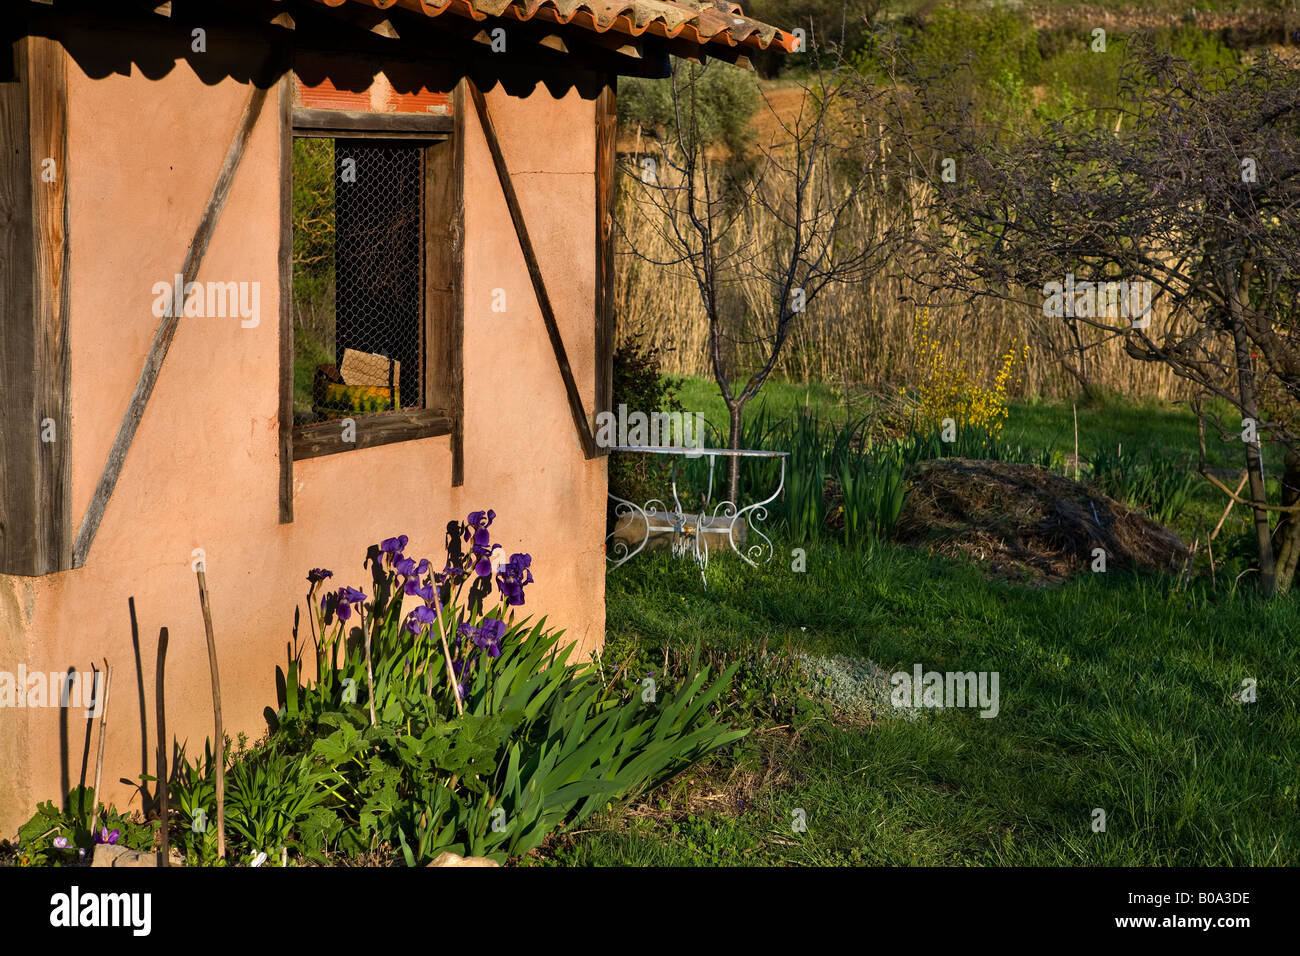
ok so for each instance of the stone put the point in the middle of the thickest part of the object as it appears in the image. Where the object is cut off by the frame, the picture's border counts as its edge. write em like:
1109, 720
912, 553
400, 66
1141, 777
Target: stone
452, 859
112, 855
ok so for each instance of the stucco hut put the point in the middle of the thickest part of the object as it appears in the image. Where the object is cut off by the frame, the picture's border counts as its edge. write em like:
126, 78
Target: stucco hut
173, 388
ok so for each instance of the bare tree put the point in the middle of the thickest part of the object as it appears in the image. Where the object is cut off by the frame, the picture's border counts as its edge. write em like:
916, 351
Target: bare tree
1190, 185
761, 236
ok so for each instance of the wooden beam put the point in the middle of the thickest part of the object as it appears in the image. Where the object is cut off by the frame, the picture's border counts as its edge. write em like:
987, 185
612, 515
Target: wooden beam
326, 438
337, 123
35, 482
535, 273
285, 92
167, 329
444, 310
606, 132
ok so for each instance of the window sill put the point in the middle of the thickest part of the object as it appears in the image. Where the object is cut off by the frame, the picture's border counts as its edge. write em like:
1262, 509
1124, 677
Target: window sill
326, 438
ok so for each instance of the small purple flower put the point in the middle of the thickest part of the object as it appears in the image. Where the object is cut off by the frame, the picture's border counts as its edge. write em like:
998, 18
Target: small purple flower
317, 575
420, 618
61, 842
393, 545
106, 836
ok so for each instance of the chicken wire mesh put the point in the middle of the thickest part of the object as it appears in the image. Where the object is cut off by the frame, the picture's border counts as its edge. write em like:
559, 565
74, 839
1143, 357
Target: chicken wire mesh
357, 277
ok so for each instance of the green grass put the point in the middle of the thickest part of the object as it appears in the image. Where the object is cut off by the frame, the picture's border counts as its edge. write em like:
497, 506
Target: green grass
1116, 693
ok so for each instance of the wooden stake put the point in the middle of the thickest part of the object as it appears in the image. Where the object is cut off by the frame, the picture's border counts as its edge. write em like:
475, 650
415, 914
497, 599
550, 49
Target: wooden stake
99, 756
1076, 444
159, 695
451, 672
220, 744
1231, 501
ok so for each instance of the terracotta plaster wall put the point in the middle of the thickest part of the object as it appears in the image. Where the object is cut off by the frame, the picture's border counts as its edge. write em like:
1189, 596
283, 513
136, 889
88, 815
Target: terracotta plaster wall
202, 472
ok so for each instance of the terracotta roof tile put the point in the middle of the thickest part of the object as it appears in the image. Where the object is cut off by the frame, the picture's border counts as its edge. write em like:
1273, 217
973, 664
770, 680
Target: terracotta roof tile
702, 22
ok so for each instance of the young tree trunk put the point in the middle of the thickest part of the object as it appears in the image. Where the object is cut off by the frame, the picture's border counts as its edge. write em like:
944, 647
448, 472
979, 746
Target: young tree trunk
735, 407
1254, 455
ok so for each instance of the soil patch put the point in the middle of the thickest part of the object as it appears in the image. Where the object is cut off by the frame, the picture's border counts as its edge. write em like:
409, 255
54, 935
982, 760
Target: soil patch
1022, 523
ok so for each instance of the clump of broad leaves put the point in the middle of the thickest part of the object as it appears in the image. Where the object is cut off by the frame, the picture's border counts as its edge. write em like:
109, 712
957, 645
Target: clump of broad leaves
436, 719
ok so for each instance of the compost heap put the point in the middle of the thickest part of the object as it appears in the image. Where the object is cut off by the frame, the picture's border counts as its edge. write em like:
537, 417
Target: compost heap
1022, 523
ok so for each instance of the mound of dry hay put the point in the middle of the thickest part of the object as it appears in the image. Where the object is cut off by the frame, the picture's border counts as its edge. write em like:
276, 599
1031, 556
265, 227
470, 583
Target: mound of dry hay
1026, 524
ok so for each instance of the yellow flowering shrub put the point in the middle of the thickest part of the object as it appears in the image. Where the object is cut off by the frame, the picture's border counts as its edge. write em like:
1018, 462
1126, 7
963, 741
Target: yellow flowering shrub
947, 389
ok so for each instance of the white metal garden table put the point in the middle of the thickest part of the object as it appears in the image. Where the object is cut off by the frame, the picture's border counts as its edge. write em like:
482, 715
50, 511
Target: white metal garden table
689, 532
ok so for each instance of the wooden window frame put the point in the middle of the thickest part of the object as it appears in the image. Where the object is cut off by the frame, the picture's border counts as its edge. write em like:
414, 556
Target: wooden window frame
442, 318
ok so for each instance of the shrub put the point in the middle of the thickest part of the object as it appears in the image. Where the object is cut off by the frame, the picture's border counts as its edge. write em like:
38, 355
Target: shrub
726, 97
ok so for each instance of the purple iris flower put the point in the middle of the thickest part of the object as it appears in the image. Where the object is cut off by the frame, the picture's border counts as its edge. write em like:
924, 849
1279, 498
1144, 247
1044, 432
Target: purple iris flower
317, 575
405, 567
105, 836
448, 573
493, 629
512, 577
463, 688
476, 527
478, 521
483, 567
347, 597
420, 618
487, 636
61, 842
393, 545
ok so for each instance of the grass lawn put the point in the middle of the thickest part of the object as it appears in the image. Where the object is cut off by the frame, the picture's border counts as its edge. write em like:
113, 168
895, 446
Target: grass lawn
1115, 694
